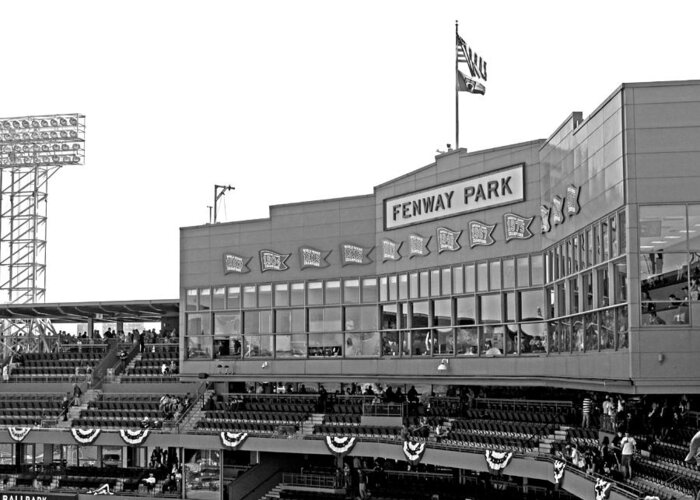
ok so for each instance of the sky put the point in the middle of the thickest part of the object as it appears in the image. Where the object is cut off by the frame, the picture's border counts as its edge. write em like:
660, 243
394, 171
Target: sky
291, 101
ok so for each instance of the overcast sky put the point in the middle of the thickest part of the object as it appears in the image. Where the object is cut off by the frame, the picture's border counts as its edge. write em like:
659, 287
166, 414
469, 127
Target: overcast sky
291, 101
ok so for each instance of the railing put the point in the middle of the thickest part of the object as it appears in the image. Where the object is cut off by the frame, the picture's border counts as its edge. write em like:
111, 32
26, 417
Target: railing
131, 351
110, 359
382, 410
309, 480
528, 403
176, 425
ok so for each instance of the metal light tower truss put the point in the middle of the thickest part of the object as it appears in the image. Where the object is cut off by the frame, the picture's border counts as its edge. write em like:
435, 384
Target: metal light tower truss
32, 150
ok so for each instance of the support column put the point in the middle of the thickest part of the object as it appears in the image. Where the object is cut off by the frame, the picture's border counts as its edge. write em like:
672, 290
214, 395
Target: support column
91, 328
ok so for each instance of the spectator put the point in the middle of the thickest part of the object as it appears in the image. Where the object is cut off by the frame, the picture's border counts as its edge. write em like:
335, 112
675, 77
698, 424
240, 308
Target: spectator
173, 367
164, 369
6, 373
150, 482
77, 392
629, 446
586, 408
142, 341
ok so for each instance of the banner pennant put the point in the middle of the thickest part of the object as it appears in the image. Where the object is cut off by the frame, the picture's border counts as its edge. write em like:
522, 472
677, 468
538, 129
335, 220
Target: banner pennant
390, 250
273, 261
448, 240
516, 227
312, 257
480, 234
236, 264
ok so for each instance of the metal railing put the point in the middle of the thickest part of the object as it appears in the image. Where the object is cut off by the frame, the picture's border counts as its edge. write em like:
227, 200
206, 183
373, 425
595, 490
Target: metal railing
382, 410
309, 480
503, 403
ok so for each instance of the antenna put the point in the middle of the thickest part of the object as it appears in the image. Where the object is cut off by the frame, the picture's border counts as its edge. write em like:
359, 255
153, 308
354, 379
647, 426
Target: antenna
219, 191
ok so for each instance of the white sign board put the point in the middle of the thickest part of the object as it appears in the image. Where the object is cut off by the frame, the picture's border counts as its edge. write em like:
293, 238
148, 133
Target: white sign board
501, 187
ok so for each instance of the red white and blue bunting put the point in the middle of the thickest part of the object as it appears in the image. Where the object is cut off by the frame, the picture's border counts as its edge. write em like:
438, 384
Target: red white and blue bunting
133, 437
413, 451
498, 460
19, 433
233, 439
85, 436
559, 468
340, 445
602, 489
102, 490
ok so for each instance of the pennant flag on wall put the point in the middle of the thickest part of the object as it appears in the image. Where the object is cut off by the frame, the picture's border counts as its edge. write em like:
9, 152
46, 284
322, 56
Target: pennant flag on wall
557, 210
273, 261
572, 206
351, 253
480, 234
311, 257
390, 250
236, 264
516, 227
448, 240
418, 245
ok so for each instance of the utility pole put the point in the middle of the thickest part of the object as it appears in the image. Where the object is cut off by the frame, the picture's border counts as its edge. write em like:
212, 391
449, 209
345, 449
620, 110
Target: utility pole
219, 191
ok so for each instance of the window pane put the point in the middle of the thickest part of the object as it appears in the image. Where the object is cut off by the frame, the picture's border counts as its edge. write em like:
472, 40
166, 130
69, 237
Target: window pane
662, 229
333, 292
233, 300
369, 290
443, 341
467, 341
413, 285
574, 295
198, 324
457, 280
442, 312
694, 227
466, 311
283, 321
603, 287
290, 346
495, 274
251, 322
665, 313
591, 329
510, 307
316, 319
383, 289
351, 291
265, 296
362, 344
326, 344
249, 296
620, 284
389, 317
622, 217
524, 271
435, 283
587, 290
561, 299
204, 299
219, 301
282, 294
393, 287
607, 329
199, 347
191, 300
390, 344
447, 281
622, 326
361, 318
227, 323
577, 330
403, 286
482, 279
258, 346
493, 338
490, 308
314, 293
297, 294
424, 284
469, 279
533, 338
663, 276
605, 241
421, 342
508, 273
613, 236
419, 315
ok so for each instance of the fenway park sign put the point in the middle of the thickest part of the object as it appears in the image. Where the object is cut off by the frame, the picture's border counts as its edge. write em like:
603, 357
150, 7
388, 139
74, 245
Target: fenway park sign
494, 189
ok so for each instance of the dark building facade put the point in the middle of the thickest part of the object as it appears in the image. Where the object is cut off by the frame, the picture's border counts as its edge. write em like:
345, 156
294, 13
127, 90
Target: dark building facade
570, 262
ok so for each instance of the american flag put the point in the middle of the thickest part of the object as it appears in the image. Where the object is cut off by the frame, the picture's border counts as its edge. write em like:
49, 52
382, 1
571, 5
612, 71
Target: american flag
477, 66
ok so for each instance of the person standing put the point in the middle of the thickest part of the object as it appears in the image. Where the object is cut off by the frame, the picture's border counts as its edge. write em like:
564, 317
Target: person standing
586, 408
629, 446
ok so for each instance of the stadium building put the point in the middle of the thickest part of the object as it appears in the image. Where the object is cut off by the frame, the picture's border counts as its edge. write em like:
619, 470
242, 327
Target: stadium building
508, 293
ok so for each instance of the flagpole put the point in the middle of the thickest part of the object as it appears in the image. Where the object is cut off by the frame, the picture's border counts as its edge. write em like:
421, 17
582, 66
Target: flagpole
456, 89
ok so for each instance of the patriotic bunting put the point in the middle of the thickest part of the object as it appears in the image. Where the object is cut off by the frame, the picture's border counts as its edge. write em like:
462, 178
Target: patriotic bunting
517, 227
480, 234
544, 217
557, 212
354, 254
413, 451
311, 257
390, 250
19, 433
498, 460
84, 436
572, 206
133, 437
602, 489
233, 439
649, 497
559, 468
273, 261
418, 245
340, 445
448, 240
236, 264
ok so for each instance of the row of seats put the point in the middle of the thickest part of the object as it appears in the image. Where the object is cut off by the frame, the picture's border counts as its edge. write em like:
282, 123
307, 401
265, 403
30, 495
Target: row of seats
273, 407
43, 370
255, 416
253, 427
342, 419
31, 413
58, 356
27, 405
119, 405
516, 416
358, 430
506, 428
131, 397
274, 398
663, 474
491, 442
119, 414
124, 423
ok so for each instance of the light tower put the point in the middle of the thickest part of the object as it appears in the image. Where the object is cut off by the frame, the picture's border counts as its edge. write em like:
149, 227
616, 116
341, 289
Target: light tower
32, 150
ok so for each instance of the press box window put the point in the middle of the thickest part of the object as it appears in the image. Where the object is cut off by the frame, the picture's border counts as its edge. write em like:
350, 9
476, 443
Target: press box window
233, 301
191, 300
369, 290
351, 291
205, 299
219, 299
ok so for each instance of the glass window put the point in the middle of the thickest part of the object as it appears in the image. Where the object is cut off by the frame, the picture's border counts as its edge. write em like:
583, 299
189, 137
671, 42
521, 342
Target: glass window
446, 281
466, 311
314, 290
281, 294
587, 290
265, 296
665, 313
523, 271
413, 285
576, 254
508, 273
233, 301
424, 283
607, 329
573, 295
598, 244
257, 322
490, 308
227, 323
333, 292
324, 319
219, 301
290, 346
694, 227
493, 339
361, 318
467, 341
620, 284
258, 346
393, 287
297, 298
191, 300
351, 291
325, 344
419, 314
613, 236
443, 341
531, 305
662, 228
362, 344
199, 347
204, 299
442, 312
621, 326
622, 218
663, 276
548, 268
577, 333
435, 282
590, 259
533, 338
591, 329
198, 324
554, 331
510, 307
249, 299
482, 278
561, 299
369, 290
457, 280
389, 317
290, 321
603, 287
421, 342
383, 289
605, 240
469, 279
495, 274
550, 298
390, 343
403, 286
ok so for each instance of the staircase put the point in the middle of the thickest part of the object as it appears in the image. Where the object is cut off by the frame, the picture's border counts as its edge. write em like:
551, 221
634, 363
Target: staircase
128, 368
195, 413
273, 493
74, 411
307, 426
559, 436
